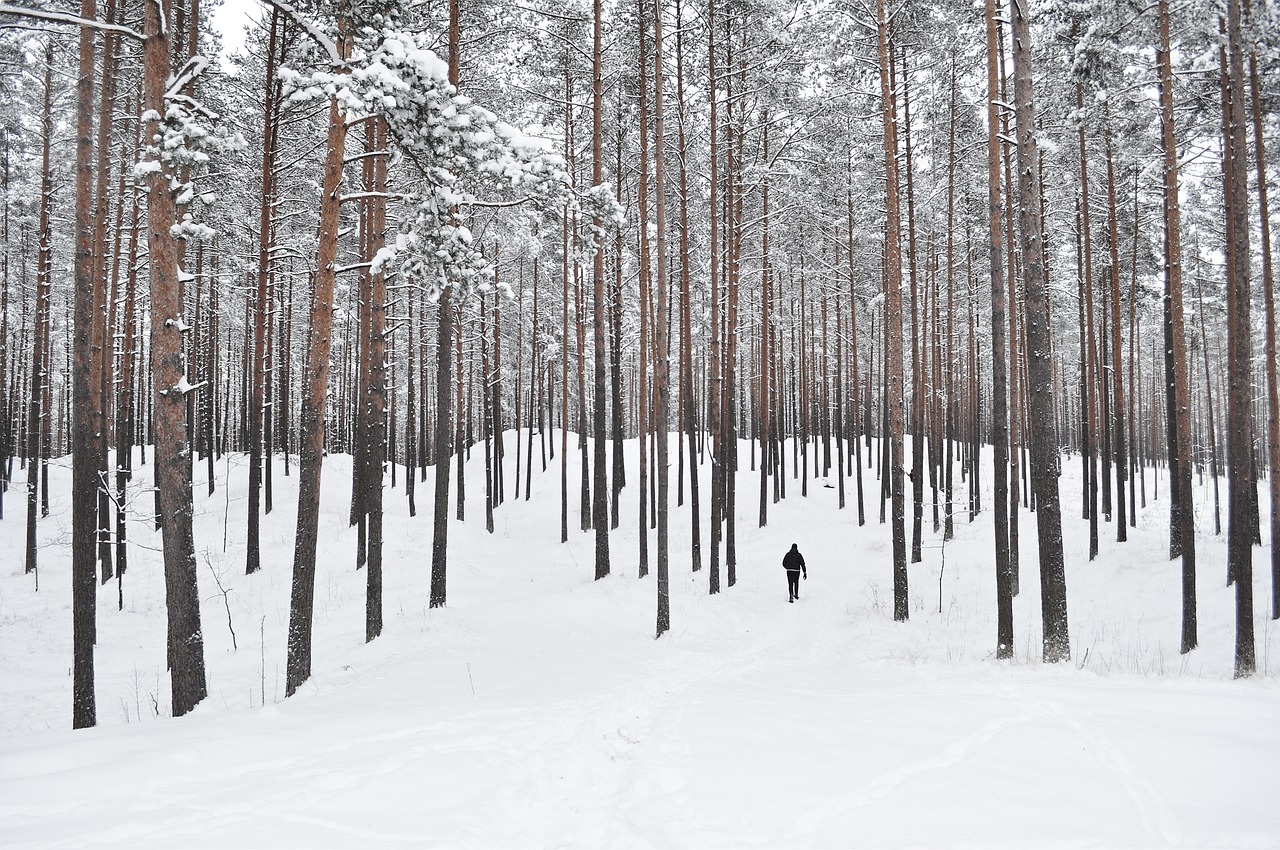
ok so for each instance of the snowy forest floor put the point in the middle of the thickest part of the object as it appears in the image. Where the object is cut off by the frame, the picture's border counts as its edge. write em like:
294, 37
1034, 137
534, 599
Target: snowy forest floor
537, 710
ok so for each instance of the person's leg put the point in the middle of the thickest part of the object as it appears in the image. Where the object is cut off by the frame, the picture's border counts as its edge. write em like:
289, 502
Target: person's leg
793, 585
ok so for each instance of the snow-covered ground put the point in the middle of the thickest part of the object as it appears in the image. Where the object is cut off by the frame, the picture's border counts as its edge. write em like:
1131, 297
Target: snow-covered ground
536, 709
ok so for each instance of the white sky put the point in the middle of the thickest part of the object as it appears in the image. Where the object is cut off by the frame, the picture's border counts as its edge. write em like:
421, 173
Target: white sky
230, 19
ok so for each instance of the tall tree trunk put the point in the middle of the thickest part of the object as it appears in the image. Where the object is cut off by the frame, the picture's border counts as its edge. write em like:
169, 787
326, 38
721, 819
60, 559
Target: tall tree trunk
443, 444
316, 386
715, 416
126, 416
105, 331
948, 529
1269, 306
1182, 514
1241, 490
36, 412
662, 377
893, 321
642, 393
1118, 407
86, 389
1044, 449
763, 401
688, 421
1209, 417
1135, 387
615, 350
564, 304
1092, 381
917, 338
999, 404
449, 313
8, 396
858, 422
376, 399
730, 409
411, 404
253, 558
172, 451
600, 484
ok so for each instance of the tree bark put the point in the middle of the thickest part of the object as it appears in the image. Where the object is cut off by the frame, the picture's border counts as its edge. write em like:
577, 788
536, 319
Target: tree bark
999, 403
1044, 449
688, 420
1118, 406
662, 377
312, 413
40, 332
893, 322
1182, 515
376, 400
1269, 306
172, 451
1241, 492
86, 390
600, 484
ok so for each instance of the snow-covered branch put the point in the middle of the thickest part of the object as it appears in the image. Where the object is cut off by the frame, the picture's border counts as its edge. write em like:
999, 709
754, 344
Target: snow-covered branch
68, 19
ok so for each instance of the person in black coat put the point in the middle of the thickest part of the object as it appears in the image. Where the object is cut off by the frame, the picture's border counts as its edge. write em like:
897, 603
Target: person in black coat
793, 563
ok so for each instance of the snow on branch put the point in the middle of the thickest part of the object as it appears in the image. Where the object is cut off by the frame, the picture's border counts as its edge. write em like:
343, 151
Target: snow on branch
318, 35
193, 68
68, 19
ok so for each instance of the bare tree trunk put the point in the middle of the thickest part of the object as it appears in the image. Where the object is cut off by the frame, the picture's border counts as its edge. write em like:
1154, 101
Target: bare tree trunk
461, 409
763, 401
893, 322
688, 421
730, 410
1268, 289
1209, 418
376, 399
858, 422
1182, 516
1044, 449
1011, 366
172, 451
535, 386
443, 445
917, 338
85, 390
256, 405
580, 323
1118, 406
1241, 491
126, 416
564, 334
486, 419
600, 484
999, 408
615, 352
106, 338
449, 306
411, 405
716, 423
948, 524
312, 414
642, 393
40, 335
1092, 380
1135, 386
8, 394
663, 375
